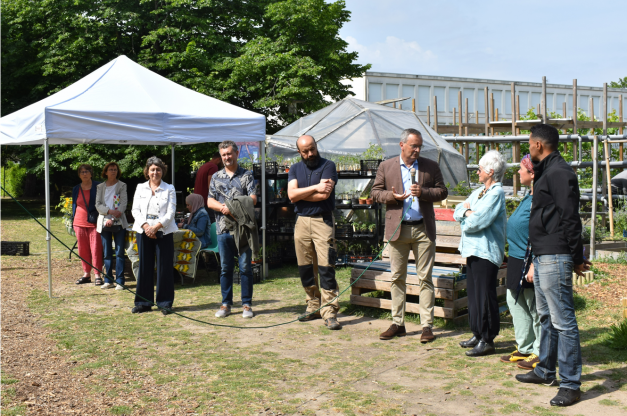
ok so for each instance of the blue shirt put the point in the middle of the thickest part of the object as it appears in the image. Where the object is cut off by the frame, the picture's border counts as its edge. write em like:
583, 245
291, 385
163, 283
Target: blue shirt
414, 213
518, 229
483, 231
307, 177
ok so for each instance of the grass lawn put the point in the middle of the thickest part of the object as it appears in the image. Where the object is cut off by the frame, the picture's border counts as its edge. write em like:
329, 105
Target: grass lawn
143, 364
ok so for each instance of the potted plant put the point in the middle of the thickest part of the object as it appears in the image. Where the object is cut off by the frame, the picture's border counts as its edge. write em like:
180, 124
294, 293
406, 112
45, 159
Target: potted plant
355, 197
372, 227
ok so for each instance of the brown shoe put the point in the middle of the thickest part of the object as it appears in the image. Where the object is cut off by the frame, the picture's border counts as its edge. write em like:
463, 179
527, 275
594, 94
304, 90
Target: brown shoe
393, 331
514, 357
308, 316
427, 335
529, 363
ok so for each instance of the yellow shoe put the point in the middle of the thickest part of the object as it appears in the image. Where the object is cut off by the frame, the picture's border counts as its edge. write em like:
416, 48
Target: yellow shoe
529, 363
513, 357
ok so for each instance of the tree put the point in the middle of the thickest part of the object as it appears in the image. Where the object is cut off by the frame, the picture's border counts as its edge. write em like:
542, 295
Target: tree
262, 55
622, 83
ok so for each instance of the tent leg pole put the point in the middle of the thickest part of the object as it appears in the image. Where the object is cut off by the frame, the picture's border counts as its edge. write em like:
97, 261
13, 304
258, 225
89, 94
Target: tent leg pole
595, 157
172, 146
47, 193
262, 149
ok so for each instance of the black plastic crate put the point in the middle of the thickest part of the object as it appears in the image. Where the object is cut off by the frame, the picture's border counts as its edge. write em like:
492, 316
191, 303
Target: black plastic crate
256, 269
344, 230
15, 248
360, 258
369, 167
271, 168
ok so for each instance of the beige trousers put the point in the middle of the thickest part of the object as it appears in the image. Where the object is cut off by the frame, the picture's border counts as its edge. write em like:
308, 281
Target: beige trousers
316, 252
412, 237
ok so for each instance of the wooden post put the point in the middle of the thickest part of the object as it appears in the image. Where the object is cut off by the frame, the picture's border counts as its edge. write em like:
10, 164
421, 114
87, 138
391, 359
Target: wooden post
459, 102
454, 116
435, 112
487, 112
604, 112
468, 120
564, 116
492, 114
428, 115
413, 105
517, 113
394, 104
515, 145
496, 144
620, 130
609, 188
623, 302
545, 120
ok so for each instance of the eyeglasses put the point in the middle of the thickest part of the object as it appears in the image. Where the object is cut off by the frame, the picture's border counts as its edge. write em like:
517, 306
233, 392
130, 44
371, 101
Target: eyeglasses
84, 172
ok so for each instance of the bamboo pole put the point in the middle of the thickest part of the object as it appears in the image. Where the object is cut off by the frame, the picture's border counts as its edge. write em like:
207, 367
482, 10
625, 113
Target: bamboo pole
576, 144
609, 188
595, 160
517, 113
496, 145
492, 114
543, 101
428, 115
466, 144
435, 112
413, 105
487, 113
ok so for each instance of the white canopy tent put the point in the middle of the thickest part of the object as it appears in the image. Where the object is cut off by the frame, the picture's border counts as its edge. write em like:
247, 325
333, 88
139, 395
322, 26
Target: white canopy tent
349, 126
124, 103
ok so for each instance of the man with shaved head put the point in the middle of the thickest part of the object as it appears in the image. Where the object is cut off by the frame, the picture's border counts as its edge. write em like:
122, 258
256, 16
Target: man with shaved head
311, 187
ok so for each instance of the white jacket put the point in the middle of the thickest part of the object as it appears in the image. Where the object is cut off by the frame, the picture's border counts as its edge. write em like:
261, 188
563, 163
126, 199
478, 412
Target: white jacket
167, 206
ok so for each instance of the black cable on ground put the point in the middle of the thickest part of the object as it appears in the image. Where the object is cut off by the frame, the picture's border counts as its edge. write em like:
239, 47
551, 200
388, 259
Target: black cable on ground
173, 312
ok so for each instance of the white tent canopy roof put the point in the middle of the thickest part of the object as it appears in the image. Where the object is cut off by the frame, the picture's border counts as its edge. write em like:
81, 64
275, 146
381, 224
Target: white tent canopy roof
124, 103
349, 126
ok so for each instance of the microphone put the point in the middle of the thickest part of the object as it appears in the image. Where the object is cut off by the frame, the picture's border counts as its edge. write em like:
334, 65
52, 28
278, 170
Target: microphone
412, 173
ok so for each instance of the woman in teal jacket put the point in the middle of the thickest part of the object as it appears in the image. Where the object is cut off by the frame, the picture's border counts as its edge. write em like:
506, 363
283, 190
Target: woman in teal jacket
483, 222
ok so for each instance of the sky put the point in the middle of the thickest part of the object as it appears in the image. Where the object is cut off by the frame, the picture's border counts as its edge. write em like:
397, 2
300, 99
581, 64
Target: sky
505, 40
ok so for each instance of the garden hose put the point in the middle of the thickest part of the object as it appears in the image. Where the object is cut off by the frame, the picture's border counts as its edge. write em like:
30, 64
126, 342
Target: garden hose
173, 312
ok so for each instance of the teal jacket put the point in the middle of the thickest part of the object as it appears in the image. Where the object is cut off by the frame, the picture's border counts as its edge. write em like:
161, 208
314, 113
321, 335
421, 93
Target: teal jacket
483, 231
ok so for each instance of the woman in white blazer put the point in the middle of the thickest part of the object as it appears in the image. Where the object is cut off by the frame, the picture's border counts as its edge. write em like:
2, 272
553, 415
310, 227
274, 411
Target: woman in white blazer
111, 202
154, 205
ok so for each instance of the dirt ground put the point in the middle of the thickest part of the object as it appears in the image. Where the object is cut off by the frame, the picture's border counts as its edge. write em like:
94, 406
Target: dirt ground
404, 376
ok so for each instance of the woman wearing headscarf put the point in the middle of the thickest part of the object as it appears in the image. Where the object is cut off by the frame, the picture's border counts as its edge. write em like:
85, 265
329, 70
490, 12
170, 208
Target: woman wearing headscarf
483, 221
198, 220
111, 202
84, 218
521, 298
154, 206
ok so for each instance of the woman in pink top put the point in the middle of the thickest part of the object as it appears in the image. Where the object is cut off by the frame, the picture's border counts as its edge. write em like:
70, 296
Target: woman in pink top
89, 243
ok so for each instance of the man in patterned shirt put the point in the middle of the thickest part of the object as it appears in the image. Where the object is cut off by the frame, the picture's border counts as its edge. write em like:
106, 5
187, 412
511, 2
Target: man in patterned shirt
226, 184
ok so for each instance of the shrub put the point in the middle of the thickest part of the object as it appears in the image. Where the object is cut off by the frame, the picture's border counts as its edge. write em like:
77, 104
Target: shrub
618, 337
12, 178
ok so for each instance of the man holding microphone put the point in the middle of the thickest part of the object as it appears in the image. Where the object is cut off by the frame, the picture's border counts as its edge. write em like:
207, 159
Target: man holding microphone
410, 184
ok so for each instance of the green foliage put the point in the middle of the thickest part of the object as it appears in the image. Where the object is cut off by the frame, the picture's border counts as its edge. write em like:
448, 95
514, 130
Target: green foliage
374, 152
620, 218
511, 205
460, 189
12, 178
618, 336
622, 83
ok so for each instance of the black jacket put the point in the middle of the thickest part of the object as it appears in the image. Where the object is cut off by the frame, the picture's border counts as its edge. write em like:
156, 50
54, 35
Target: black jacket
554, 223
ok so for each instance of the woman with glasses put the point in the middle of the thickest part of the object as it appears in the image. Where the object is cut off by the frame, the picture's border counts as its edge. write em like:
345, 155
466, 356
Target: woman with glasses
154, 206
111, 201
84, 218
521, 298
483, 221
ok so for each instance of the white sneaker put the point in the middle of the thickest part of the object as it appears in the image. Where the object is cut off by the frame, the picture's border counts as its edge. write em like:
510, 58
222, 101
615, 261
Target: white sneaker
107, 286
119, 287
248, 312
225, 310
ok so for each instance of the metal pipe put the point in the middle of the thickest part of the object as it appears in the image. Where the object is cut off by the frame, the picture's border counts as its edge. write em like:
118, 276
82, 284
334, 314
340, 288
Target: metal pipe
47, 193
264, 267
172, 147
507, 139
595, 158
616, 164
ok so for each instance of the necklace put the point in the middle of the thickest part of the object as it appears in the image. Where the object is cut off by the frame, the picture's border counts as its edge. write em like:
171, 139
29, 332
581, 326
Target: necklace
485, 190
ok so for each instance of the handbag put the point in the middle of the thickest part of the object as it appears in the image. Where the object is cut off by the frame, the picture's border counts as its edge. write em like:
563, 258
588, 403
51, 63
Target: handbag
113, 229
92, 216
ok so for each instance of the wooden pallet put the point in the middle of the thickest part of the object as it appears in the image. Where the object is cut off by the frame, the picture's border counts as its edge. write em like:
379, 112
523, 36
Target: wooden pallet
379, 277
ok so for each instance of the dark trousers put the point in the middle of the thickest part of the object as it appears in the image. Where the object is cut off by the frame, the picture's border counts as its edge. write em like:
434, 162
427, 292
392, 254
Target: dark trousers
163, 250
483, 307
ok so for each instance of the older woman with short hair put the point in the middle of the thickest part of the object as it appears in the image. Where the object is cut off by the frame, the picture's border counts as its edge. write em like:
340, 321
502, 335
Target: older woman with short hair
483, 222
154, 206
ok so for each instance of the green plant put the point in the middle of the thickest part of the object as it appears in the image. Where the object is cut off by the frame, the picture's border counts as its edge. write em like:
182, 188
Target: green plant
460, 189
618, 336
374, 152
65, 206
12, 178
197, 164
620, 218
372, 227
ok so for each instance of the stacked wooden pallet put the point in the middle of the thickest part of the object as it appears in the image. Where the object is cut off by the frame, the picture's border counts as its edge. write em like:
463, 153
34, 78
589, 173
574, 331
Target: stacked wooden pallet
447, 280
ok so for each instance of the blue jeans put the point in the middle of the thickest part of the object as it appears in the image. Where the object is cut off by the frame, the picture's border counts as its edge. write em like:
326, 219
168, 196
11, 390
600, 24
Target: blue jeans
559, 339
120, 257
228, 251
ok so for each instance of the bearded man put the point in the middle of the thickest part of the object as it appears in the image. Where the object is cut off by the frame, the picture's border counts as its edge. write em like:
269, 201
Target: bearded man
310, 187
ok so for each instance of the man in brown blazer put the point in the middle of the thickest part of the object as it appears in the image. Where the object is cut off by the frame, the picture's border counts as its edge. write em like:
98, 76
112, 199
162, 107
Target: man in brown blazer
404, 193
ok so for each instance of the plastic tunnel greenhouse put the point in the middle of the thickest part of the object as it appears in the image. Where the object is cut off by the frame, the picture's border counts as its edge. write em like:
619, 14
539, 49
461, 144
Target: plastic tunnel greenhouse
349, 126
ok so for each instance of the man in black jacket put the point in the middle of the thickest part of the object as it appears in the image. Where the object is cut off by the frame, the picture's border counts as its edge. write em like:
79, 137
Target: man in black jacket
555, 237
